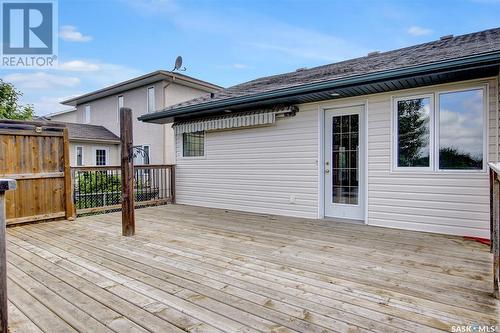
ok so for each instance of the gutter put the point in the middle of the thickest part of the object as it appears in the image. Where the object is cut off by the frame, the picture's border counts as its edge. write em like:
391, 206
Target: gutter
86, 140
331, 84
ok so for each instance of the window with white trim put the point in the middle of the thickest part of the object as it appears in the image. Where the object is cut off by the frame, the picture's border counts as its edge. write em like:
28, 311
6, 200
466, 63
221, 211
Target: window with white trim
142, 155
461, 130
79, 156
413, 129
120, 105
100, 156
151, 99
87, 114
444, 131
193, 144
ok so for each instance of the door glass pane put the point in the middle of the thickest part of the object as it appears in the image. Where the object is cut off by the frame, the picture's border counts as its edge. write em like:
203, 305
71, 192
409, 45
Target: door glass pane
345, 147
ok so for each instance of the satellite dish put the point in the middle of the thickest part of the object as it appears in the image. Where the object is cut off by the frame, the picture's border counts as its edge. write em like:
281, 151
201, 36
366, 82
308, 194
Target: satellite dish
178, 65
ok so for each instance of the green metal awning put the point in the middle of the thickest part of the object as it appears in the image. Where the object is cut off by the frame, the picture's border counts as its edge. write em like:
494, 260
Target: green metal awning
231, 121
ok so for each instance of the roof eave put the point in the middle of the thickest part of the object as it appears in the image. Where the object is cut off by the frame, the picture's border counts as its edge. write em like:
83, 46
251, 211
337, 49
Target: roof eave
137, 82
331, 84
88, 140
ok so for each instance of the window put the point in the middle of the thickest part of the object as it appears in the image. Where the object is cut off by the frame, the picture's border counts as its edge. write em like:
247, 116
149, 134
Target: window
413, 132
147, 156
100, 156
151, 99
79, 156
461, 130
143, 156
458, 143
87, 114
120, 105
193, 144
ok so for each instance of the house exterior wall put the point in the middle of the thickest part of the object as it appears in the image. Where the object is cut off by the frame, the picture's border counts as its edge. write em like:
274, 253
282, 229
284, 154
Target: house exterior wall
256, 169
278, 170
113, 157
174, 94
68, 117
104, 111
442, 202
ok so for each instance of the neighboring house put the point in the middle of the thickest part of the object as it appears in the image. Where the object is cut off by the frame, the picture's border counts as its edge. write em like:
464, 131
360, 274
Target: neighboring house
144, 94
92, 145
67, 116
395, 139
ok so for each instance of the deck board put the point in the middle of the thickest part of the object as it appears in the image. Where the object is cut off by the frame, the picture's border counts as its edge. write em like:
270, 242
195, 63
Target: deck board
192, 269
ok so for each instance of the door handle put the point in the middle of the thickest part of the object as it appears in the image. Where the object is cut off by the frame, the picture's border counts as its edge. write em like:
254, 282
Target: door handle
327, 170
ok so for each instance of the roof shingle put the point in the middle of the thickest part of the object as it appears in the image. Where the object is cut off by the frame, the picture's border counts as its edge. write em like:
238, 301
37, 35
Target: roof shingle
89, 132
432, 52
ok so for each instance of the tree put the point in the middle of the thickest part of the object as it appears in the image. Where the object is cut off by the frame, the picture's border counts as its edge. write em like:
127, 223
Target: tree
413, 133
452, 158
9, 107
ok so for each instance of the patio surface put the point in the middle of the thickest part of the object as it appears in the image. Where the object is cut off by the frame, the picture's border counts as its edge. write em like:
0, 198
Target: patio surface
208, 270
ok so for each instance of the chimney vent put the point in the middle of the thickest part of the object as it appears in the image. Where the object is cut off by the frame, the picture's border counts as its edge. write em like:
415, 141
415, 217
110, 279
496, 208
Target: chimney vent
373, 53
446, 37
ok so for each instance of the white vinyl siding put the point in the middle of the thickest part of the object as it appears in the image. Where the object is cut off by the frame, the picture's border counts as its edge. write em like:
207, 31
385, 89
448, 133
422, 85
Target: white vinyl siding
443, 202
262, 169
256, 170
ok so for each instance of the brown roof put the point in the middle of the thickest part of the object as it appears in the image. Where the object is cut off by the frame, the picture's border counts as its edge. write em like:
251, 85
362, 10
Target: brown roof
436, 51
89, 132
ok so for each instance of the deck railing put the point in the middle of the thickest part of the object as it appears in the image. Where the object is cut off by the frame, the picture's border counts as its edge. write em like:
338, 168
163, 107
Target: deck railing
5, 185
97, 189
495, 223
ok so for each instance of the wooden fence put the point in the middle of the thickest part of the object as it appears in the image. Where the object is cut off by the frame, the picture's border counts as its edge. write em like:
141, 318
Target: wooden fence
36, 154
495, 224
98, 189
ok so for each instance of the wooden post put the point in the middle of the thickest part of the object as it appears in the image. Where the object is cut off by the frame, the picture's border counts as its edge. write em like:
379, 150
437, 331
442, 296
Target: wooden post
68, 188
127, 169
495, 225
495, 235
172, 182
5, 185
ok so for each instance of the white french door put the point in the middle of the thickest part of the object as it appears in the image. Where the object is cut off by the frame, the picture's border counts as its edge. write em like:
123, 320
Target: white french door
344, 162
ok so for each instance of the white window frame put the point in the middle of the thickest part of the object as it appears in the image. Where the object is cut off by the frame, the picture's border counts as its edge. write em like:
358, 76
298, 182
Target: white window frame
94, 155
141, 157
149, 102
76, 156
194, 157
486, 127
434, 131
149, 153
87, 114
395, 133
119, 106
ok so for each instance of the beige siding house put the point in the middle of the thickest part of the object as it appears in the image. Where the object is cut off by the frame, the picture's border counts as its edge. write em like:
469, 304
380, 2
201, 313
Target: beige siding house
399, 139
144, 94
67, 116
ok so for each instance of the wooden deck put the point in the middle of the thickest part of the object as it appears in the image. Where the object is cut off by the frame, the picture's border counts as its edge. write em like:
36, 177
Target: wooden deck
206, 270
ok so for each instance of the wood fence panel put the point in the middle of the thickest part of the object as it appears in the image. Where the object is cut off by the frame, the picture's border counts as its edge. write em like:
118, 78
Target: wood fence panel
37, 156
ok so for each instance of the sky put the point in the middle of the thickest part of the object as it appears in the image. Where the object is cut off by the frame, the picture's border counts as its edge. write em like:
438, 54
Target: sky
102, 42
